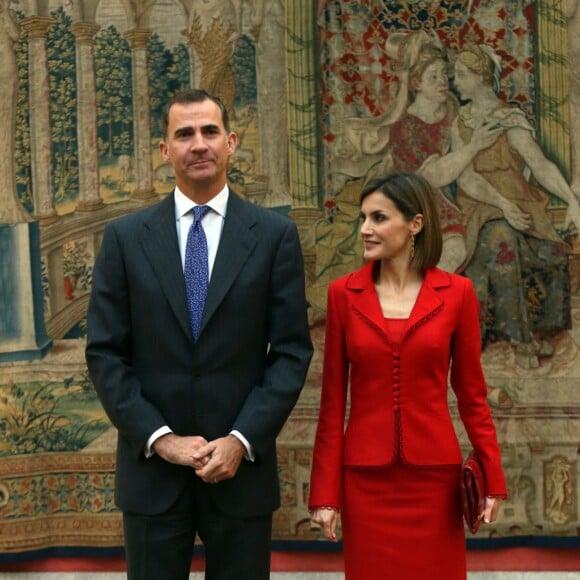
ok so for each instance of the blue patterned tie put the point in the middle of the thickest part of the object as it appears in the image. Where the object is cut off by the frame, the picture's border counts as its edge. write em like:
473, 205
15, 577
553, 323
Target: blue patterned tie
196, 269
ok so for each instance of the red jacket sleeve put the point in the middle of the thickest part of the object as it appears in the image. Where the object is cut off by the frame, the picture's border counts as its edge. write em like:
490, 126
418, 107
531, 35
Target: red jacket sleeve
468, 383
326, 475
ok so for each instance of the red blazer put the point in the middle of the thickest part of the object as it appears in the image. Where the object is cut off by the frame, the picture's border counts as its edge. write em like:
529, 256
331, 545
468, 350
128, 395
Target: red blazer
409, 380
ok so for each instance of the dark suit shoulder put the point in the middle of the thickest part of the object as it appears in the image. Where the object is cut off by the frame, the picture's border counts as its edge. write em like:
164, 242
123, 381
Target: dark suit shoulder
129, 226
252, 214
144, 214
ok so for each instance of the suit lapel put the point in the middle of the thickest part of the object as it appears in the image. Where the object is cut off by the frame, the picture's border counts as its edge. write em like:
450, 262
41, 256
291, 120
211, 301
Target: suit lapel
159, 242
237, 242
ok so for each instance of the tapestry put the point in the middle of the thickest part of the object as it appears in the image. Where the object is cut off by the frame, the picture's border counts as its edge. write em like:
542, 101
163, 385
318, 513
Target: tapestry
323, 96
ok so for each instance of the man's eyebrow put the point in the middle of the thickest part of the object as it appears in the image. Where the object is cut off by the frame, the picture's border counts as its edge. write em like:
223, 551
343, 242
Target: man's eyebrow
183, 131
188, 130
210, 127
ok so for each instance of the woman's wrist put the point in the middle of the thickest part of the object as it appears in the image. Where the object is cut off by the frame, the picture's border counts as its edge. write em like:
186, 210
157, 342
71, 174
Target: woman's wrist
323, 507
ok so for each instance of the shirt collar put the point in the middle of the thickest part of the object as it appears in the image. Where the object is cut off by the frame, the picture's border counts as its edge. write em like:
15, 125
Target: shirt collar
184, 205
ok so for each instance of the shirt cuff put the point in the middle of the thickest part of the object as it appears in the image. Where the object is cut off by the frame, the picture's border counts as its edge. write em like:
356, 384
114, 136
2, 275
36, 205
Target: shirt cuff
149, 451
249, 455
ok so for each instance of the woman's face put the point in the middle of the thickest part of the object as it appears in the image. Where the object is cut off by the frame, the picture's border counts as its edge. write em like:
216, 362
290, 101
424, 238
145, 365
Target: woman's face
466, 81
385, 232
434, 83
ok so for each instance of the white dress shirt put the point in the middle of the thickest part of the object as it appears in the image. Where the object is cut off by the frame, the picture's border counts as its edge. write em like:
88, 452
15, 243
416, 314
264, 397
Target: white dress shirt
212, 223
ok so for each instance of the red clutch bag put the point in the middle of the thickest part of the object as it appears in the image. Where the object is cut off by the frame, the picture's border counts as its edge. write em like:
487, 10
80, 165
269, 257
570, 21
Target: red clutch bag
472, 491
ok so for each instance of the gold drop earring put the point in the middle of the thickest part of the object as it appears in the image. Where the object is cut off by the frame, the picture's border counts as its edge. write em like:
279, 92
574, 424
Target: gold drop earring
412, 245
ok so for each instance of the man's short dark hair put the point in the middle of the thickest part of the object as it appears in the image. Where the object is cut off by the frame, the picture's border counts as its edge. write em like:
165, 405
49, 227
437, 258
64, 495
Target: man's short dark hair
190, 95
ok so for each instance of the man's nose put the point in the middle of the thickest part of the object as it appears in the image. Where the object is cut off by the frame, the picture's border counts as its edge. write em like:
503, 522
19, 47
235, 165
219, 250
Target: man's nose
198, 142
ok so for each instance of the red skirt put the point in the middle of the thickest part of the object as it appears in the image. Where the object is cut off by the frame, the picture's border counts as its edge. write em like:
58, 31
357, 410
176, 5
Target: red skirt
403, 523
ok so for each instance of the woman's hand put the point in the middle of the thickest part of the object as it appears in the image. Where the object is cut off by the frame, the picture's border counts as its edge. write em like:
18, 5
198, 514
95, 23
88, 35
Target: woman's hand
327, 519
491, 509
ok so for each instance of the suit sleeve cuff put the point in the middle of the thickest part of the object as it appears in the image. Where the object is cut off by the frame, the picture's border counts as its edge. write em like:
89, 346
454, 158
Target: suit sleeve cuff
149, 451
249, 455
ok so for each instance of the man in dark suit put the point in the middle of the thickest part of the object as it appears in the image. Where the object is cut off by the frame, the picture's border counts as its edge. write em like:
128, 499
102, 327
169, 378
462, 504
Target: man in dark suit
198, 409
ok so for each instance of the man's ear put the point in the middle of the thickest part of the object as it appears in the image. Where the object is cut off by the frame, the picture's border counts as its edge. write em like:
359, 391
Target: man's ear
164, 151
232, 142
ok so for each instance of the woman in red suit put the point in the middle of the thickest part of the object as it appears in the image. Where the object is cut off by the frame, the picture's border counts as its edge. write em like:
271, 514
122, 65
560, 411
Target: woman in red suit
396, 330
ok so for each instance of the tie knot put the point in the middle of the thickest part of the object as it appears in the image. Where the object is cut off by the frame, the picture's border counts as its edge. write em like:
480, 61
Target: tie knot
199, 211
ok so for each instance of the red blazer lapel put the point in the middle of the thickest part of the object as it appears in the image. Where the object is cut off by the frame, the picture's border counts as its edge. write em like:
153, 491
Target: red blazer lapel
429, 301
365, 300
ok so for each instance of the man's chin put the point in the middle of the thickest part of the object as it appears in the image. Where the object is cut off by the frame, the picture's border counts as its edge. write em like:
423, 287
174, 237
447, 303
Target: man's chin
205, 176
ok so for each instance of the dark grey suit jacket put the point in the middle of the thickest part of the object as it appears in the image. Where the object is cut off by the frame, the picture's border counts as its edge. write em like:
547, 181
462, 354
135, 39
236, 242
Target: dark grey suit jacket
245, 372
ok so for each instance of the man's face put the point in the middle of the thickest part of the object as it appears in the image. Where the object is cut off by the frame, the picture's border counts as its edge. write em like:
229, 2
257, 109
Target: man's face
198, 146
